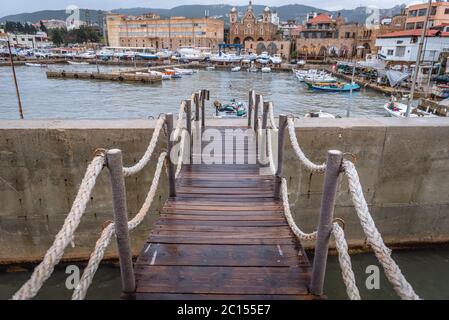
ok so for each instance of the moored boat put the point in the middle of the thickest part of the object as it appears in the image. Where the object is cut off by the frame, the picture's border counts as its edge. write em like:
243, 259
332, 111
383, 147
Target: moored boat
266, 69
399, 110
236, 69
76, 63
319, 114
333, 86
30, 64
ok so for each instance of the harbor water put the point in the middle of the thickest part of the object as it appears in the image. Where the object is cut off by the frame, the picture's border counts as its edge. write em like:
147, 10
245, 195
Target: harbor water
425, 269
44, 98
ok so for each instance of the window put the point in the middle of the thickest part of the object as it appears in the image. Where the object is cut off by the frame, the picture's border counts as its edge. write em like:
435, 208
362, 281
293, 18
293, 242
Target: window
412, 13
433, 11
390, 52
399, 41
422, 12
419, 25
400, 51
446, 11
410, 26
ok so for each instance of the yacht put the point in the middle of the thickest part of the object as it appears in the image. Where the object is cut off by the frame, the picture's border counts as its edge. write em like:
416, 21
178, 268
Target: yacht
276, 59
224, 57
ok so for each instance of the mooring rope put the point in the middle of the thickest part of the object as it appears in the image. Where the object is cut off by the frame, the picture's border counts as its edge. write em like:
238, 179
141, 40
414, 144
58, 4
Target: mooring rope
102, 243
65, 236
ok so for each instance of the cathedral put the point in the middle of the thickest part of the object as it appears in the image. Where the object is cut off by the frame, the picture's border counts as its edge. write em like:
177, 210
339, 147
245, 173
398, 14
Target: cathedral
249, 28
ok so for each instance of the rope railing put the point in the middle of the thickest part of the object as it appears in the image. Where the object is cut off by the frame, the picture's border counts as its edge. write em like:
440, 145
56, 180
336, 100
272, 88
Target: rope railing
65, 236
103, 242
374, 238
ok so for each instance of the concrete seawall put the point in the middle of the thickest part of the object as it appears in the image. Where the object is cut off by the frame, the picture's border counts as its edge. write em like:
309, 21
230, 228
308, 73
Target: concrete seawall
403, 166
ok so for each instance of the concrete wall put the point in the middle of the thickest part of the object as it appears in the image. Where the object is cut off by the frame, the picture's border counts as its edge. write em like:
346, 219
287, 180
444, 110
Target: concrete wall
403, 166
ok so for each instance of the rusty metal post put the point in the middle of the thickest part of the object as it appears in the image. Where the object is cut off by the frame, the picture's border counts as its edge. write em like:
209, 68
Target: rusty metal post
333, 168
115, 165
281, 139
171, 167
189, 126
250, 107
11, 61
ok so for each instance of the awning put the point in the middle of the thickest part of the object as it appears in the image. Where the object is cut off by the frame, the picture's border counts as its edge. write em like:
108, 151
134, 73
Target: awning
396, 77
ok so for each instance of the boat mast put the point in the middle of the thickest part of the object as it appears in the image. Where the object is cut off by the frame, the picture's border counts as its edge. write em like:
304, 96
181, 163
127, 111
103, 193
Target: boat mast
19, 100
418, 60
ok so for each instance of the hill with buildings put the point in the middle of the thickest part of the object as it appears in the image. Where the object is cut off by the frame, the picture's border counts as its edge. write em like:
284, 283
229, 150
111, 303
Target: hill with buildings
295, 11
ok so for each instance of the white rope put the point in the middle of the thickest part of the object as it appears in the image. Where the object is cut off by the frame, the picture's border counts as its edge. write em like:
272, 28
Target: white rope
320, 168
271, 116
288, 215
179, 123
65, 236
102, 243
345, 262
128, 171
374, 238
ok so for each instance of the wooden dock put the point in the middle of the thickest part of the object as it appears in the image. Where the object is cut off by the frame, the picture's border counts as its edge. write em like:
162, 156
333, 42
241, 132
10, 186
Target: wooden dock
109, 76
224, 236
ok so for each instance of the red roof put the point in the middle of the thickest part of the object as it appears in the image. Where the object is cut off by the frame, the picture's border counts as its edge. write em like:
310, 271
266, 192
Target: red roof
413, 33
320, 18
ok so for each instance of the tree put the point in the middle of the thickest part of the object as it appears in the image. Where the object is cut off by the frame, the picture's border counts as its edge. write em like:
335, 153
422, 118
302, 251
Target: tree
56, 35
43, 27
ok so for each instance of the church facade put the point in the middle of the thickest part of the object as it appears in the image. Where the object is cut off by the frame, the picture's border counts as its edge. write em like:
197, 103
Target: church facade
249, 28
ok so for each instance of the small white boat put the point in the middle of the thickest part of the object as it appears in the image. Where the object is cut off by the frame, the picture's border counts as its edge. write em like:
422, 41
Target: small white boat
182, 71
209, 68
252, 69
319, 114
301, 63
75, 63
29, 64
398, 110
266, 69
276, 59
236, 69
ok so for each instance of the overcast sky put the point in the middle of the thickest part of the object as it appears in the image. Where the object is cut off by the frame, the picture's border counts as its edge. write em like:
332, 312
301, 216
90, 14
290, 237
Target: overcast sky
19, 6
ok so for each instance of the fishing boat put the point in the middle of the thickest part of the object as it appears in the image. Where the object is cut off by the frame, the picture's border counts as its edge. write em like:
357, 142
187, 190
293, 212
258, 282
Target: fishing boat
319, 114
266, 69
235, 69
75, 63
234, 109
173, 74
333, 86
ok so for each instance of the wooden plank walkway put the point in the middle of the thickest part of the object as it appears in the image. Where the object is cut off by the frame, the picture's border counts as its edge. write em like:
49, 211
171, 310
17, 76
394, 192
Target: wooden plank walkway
224, 236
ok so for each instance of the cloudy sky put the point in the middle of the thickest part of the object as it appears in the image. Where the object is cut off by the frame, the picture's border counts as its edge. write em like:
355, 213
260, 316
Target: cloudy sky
20, 6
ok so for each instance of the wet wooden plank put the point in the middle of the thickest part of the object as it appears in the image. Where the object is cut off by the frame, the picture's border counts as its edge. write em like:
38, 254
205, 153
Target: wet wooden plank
221, 280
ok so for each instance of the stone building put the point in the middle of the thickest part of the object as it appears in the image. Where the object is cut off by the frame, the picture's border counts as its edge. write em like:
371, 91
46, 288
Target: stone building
282, 48
416, 14
249, 28
153, 32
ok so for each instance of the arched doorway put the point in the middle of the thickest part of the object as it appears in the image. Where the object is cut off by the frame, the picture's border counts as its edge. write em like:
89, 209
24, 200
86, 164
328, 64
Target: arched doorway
272, 48
344, 51
236, 40
260, 48
248, 39
323, 51
260, 39
333, 51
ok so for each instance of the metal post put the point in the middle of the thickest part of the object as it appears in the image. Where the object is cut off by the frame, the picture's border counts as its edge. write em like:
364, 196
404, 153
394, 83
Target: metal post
11, 60
333, 168
265, 114
189, 126
281, 135
115, 165
171, 167
196, 100
250, 107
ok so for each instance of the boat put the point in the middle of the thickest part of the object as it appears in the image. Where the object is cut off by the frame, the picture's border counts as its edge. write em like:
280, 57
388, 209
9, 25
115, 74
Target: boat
30, 64
301, 63
276, 59
319, 114
398, 110
223, 57
234, 109
182, 71
314, 75
77, 63
147, 56
236, 69
263, 58
266, 69
88, 55
173, 74
333, 86
209, 68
